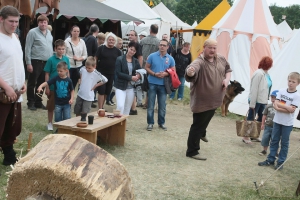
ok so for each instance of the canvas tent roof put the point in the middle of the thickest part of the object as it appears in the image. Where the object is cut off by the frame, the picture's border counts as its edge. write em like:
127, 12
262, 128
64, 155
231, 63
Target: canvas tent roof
286, 61
284, 30
91, 9
245, 34
168, 16
214, 16
137, 8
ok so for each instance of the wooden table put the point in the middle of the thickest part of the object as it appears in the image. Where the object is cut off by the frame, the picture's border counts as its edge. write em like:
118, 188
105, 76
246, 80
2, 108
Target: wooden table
110, 130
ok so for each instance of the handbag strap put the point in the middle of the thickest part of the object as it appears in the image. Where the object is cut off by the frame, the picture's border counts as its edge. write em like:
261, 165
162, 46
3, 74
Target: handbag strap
72, 51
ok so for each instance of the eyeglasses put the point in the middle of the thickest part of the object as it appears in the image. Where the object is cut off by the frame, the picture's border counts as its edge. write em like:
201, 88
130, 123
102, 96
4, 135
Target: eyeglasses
162, 45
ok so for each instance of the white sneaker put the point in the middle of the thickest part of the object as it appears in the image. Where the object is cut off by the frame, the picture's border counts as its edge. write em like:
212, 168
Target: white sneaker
179, 99
50, 127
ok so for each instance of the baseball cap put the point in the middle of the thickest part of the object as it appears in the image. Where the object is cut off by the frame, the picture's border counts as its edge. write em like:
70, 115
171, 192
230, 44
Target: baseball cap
274, 93
143, 33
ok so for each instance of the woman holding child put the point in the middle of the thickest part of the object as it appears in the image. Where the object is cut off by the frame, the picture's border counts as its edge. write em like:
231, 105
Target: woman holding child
260, 88
76, 52
125, 77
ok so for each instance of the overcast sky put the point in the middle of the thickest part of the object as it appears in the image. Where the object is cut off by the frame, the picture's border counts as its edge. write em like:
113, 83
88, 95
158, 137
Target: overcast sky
283, 3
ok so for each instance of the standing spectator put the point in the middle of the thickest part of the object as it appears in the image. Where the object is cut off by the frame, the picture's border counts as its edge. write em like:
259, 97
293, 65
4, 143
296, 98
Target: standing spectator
12, 81
64, 92
156, 66
38, 49
119, 44
287, 101
149, 45
170, 48
51, 72
76, 52
260, 88
100, 39
182, 59
138, 55
209, 74
125, 77
106, 56
91, 47
142, 35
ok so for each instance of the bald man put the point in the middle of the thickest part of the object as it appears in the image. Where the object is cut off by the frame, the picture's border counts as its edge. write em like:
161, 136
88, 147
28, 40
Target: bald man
209, 76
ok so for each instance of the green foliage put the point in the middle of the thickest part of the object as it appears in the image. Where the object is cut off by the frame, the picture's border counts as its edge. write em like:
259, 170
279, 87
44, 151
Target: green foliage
170, 4
291, 12
191, 10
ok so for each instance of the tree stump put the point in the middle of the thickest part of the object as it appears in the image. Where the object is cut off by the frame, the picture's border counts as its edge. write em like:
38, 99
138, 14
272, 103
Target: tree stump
69, 167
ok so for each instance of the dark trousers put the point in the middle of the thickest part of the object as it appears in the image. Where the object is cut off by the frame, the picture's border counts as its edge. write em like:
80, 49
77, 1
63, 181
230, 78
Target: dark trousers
8, 130
198, 130
35, 79
74, 75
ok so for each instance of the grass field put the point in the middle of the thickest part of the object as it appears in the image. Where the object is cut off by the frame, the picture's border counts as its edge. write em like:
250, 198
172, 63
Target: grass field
158, 167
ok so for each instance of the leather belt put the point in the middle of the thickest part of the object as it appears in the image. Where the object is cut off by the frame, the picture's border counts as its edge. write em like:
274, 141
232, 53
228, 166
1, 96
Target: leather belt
35, 60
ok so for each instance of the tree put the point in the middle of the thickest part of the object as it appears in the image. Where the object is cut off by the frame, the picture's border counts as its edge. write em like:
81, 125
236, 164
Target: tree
291, 12
170, 4
191, 10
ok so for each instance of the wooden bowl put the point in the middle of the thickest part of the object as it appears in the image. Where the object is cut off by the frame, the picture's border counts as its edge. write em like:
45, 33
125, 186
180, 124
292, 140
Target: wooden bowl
81, 124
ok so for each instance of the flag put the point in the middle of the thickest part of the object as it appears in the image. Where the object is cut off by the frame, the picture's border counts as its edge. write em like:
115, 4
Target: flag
151, 3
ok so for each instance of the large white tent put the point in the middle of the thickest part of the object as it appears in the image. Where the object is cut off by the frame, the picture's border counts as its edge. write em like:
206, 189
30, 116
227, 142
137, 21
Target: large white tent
245, 34
140, 10
286, 61
284, 30
168, 16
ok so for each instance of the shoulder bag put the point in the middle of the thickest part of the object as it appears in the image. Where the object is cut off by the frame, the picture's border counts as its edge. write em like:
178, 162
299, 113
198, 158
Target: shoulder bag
246, 128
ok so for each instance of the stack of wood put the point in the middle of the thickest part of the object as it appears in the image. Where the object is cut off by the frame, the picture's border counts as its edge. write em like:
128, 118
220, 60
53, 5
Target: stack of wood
68, 167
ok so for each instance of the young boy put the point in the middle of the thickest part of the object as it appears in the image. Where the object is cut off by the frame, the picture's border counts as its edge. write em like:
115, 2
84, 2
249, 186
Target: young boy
64, 92
287, 100
90, 79
267, 123
51, 72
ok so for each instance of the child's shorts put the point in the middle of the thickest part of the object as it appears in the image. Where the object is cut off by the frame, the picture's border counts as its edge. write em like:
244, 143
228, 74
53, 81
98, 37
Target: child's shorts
82, 106
51, 102
266, 138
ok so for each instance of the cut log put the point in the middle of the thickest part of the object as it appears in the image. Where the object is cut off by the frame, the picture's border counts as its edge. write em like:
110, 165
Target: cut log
69, 167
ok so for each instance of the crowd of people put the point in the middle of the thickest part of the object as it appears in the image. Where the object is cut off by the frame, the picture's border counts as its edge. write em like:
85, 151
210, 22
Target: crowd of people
100, 69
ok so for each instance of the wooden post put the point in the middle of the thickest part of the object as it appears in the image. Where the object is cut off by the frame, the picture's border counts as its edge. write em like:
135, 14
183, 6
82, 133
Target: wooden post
29, 141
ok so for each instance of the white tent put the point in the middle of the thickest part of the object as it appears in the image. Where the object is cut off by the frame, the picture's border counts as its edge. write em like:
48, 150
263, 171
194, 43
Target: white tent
287, 61
140, 10
187, 36
245, 34
284, 30
168, 16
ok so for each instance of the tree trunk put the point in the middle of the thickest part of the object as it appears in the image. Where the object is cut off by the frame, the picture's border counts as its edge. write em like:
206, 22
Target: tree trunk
69, 167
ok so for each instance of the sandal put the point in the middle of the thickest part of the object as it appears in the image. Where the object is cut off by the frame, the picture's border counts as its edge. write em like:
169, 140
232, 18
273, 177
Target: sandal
247, 141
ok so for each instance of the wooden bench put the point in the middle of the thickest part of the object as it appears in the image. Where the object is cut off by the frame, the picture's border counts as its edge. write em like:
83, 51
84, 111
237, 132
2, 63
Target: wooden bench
110, 130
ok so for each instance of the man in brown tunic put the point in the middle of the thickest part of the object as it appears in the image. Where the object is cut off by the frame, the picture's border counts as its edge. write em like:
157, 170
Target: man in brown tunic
209, 76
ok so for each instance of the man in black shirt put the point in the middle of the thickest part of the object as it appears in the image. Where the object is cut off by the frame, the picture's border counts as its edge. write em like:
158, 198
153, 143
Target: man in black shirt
182, 59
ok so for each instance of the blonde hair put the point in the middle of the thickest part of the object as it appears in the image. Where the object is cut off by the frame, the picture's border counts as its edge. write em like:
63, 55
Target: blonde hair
210, 41
49, 28
90, 61
294, 75
101, 36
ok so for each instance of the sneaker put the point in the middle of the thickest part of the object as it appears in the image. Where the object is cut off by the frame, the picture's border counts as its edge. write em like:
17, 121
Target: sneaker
93, 105
112, 102
179, 99
204, 139
109, 103
50, 127
162, 126
263, 153
265, 163
133, 112
149, 127
41, 106
139, 105
95, 101
278, 167
31, 107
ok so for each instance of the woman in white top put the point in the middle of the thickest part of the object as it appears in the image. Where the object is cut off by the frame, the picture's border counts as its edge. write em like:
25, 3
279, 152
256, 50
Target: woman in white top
76, 52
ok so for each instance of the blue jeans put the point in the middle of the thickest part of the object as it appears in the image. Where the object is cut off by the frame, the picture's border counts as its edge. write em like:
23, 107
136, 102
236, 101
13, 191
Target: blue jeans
266, 138
62, 112
160, 92
259, 108
180, 89
281, 134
